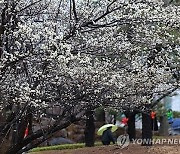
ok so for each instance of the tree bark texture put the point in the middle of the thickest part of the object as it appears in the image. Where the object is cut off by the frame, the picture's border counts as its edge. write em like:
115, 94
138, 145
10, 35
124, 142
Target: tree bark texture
146, 130
90, 129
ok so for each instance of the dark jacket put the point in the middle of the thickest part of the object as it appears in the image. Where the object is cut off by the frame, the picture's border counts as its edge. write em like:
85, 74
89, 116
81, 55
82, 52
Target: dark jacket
107, 137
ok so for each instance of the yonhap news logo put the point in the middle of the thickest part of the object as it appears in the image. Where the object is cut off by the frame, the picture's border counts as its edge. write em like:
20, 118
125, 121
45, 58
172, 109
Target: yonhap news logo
123, 141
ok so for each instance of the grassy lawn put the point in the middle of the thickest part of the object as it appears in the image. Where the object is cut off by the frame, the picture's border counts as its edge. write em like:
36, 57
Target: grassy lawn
73, 146
63, 146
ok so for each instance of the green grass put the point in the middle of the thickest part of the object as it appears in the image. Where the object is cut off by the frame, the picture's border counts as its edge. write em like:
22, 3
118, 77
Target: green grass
158, 137
62, 147
72, 146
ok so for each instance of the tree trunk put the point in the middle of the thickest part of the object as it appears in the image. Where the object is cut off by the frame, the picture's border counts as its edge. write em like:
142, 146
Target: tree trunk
146, 130
103, 117
90, 129
114, 122
5, 130
39, 133
163, 126
131, 127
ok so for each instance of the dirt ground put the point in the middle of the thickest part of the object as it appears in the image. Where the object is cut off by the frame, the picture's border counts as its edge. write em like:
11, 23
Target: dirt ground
114, 149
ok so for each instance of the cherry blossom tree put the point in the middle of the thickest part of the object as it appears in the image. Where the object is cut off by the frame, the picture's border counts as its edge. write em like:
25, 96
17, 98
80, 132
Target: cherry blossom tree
74, 56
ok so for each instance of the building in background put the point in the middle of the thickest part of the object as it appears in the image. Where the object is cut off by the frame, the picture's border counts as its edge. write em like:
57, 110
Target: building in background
176, 102
172, 102
167, 103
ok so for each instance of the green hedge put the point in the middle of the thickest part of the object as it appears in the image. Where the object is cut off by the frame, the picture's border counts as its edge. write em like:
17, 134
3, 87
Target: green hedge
62, 147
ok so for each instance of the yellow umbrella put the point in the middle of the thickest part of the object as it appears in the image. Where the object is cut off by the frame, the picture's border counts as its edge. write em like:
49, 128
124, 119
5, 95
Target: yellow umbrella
103, 128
